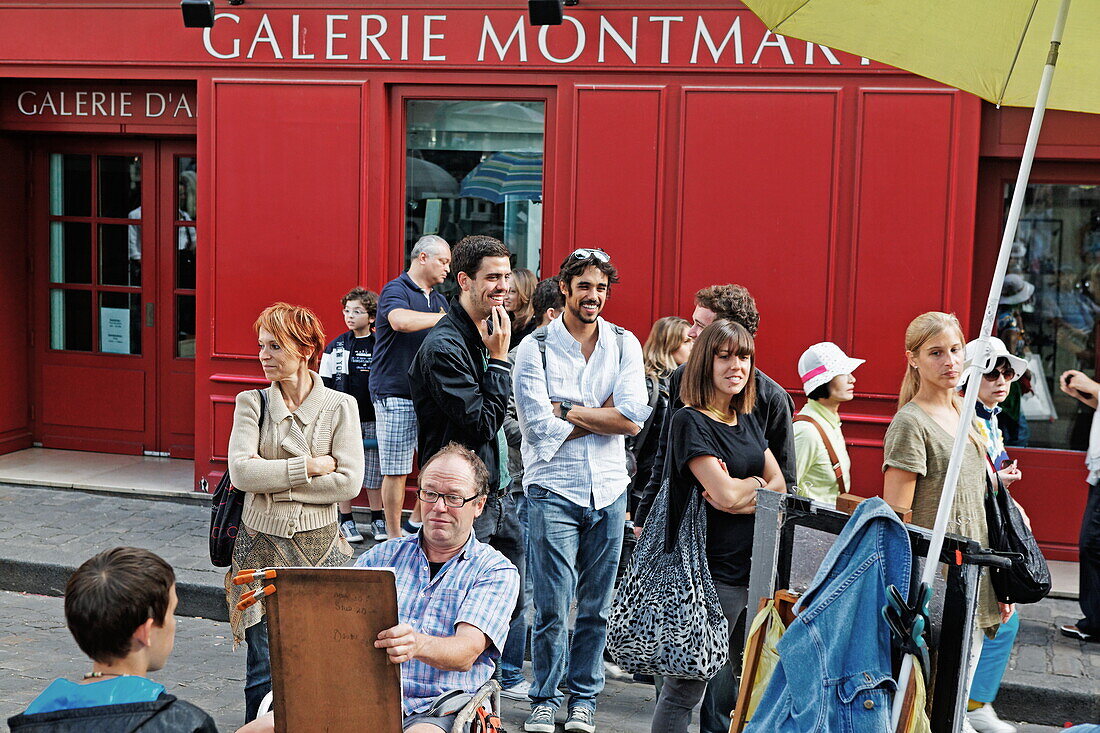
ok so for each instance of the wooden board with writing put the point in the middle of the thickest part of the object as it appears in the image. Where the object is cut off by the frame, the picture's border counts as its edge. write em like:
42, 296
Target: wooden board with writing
326, 674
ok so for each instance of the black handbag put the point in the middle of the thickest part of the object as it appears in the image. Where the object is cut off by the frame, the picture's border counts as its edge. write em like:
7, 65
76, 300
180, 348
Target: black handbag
226, 506
1028, 578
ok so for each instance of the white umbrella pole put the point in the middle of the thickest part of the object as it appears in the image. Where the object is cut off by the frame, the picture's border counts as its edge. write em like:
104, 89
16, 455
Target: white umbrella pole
973, 374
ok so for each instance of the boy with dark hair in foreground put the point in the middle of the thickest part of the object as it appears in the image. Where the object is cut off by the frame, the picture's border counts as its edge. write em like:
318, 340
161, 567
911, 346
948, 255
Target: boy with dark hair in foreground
119, 607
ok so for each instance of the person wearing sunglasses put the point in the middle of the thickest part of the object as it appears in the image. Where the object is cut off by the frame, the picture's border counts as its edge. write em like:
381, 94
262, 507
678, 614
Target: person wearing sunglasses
580, 387
1006, 368
454, 594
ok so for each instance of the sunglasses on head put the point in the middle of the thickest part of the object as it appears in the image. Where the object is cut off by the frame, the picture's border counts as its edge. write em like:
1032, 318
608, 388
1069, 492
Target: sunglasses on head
1008, 372
597, 254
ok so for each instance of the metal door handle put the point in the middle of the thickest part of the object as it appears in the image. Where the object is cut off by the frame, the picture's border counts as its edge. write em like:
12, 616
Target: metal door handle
150, 315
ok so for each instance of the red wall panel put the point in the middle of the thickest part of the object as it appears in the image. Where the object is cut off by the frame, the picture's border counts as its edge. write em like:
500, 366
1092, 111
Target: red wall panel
14, 406
757, 187
287, 202
902, 260
617, 170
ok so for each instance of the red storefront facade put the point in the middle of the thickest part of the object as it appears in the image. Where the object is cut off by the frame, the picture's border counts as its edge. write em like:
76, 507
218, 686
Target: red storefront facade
269, 159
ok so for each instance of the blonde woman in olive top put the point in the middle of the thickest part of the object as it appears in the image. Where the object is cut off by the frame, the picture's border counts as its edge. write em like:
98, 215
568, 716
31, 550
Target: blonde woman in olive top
827, 379
918, 444
306, 457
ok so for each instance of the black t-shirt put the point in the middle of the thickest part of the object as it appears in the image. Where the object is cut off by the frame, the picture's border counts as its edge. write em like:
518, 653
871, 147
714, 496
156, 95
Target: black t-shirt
741, 447
362, 353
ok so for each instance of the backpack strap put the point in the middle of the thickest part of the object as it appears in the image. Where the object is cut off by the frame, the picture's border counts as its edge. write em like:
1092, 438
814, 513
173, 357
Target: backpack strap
654, 385
837, 470
539, 335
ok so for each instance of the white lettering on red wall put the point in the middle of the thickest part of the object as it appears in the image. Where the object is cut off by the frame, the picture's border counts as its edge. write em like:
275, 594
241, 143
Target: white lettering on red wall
68, 102
710, 39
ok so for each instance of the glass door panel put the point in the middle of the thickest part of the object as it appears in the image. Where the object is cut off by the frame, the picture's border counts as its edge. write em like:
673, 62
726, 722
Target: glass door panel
475, 166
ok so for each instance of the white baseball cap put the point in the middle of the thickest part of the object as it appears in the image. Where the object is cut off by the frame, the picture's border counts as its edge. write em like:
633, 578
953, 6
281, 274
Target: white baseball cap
821, 362
999, 351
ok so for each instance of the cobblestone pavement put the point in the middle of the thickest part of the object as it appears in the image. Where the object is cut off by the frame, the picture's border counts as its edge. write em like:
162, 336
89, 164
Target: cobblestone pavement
64, 527
35, 647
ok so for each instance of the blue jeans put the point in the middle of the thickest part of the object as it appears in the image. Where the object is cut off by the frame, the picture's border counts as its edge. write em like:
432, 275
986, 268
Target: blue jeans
257, 680
574, 551
993, 661
511, 657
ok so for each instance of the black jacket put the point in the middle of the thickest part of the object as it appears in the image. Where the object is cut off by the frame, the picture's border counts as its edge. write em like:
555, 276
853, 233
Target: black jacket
459, 393
646, 451
166, 714
774, 408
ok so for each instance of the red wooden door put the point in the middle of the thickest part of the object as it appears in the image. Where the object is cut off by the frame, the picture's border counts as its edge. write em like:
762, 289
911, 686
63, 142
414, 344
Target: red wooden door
174, 314
107, 228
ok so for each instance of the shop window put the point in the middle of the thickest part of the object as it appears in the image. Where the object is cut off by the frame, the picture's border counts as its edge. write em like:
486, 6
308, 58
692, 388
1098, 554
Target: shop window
1049, 312
475, 167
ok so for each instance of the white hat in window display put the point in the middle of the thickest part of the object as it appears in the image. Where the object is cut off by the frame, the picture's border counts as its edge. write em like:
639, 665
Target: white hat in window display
821, 362
1016, 290
1000, 351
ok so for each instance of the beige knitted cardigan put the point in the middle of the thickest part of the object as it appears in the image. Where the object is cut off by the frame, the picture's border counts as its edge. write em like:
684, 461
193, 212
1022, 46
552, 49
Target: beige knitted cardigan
281, 498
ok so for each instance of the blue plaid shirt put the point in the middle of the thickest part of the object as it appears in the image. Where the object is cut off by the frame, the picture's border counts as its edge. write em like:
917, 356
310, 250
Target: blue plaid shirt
478, 586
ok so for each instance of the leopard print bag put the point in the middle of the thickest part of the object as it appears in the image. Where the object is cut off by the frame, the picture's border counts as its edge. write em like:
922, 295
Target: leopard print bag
665, 618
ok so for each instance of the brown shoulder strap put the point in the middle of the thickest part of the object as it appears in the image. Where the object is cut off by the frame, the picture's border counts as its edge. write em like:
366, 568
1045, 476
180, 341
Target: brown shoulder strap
837, 470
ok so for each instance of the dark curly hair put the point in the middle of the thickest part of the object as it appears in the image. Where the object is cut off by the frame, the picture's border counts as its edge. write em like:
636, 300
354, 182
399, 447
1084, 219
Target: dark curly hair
573, 266
368, 298
731, 302
547, 295
468, 253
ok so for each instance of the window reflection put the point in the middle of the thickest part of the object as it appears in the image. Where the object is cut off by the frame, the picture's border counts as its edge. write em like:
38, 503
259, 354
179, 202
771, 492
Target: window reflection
186, 250
1049, 313
476, 167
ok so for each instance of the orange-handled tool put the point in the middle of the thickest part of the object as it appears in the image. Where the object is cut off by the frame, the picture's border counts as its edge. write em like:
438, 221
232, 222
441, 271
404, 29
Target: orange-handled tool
248, 576
252, 596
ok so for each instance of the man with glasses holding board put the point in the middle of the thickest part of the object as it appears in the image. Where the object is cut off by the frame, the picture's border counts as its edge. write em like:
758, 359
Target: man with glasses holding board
580, 388
454, 594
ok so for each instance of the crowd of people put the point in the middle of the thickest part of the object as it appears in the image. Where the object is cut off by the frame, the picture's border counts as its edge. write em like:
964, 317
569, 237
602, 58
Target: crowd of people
543, 435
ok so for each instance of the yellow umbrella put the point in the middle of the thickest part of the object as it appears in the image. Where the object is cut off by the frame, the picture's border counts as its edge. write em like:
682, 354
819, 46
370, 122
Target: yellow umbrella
995, 49
1004, 51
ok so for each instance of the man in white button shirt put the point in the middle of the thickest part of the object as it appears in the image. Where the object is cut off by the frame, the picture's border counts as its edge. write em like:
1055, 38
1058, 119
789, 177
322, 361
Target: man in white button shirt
580, 388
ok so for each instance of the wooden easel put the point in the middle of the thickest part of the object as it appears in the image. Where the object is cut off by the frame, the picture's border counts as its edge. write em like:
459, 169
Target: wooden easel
326, 674
784, 604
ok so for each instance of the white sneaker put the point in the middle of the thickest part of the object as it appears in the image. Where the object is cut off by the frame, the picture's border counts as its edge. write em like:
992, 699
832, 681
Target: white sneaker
379, 529
985, 720
518, 691
350, 531
966, 726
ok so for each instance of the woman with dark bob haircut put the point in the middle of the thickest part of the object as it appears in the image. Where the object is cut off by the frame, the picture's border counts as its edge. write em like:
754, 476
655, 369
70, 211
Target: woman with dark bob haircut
294, 462
717, 449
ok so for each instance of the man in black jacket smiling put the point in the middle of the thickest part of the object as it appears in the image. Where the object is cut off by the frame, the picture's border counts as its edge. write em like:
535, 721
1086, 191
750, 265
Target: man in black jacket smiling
461, 380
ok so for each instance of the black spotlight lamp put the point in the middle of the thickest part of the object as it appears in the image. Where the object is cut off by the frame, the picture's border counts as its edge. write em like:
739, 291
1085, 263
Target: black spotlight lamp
198, 13
547, 12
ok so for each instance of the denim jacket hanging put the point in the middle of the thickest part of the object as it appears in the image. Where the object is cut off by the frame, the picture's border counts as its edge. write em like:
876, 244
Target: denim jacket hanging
834, 673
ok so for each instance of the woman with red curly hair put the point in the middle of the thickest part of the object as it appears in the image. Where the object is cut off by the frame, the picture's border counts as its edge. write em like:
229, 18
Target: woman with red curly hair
294, 462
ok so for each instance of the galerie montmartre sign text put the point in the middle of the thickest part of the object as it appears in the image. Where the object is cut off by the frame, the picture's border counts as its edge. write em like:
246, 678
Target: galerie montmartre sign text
623, 39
